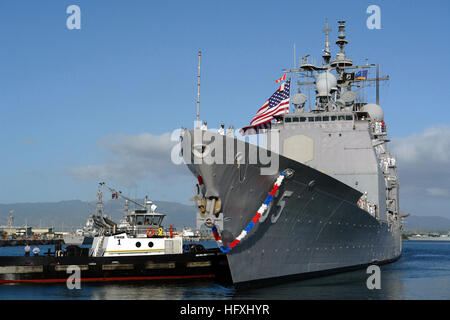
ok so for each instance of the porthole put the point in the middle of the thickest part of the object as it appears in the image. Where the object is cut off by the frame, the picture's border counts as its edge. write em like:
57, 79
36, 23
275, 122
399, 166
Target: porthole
138, 244
150, 244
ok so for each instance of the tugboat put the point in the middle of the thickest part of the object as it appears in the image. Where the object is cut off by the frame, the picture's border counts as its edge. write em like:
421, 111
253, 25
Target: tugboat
140, 234
138, 248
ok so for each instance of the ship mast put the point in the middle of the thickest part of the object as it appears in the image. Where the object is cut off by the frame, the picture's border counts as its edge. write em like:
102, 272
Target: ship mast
11, 219
336, 96
326, 52
197, 124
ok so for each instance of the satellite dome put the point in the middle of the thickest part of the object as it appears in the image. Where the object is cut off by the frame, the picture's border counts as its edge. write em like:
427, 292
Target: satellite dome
299, 99
375, 111
324, 83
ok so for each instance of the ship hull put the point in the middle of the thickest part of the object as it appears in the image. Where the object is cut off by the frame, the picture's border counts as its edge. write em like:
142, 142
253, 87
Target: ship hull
74, 240
313, 226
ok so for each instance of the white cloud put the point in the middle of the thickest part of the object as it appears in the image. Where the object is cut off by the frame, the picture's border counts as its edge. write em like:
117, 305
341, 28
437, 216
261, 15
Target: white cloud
438, 192
133, 158
429, 148
424, 171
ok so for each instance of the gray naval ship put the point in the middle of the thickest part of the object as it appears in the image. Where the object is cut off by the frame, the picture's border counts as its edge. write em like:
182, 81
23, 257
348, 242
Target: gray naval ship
337, 208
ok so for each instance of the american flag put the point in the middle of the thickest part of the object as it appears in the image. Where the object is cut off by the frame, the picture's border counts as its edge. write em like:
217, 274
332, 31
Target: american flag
277, 104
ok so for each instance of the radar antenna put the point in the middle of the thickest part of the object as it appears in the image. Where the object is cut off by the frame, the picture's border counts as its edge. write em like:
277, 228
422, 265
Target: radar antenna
341, 42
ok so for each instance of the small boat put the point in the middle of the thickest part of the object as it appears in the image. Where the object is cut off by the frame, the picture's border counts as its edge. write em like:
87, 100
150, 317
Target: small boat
141, 249
141, 233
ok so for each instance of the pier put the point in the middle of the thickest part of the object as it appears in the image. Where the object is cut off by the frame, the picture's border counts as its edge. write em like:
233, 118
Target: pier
31, 242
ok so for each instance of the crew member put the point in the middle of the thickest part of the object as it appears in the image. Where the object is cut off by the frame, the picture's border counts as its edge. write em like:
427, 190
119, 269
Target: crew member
204, 126
27, 250
36, 251
221, 130
230, 131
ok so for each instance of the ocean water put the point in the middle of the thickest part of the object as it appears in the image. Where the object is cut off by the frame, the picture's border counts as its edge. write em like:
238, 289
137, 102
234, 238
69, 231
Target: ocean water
423, 272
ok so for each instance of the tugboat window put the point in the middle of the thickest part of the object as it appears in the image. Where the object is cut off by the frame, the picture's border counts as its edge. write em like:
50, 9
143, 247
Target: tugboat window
341, 118
333, 118
318, 119
140, 220
287, 120
348, 118
295, 119
302, 119
157, 220
326, 118
148, 220
311, 119
138, 244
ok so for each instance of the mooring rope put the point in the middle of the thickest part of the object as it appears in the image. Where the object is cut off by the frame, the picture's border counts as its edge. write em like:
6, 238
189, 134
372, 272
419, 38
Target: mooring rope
252, 223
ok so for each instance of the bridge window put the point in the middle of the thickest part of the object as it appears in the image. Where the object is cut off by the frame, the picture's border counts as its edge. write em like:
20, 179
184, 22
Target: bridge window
318, 119
302, 119
311, 119
140, 220
148, 220
341, 118
348, 118
295, 119
157, 220
287, 119
326, 118
333, 118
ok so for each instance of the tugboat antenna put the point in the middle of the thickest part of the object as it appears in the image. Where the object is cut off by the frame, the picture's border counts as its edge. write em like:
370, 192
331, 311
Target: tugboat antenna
197, 124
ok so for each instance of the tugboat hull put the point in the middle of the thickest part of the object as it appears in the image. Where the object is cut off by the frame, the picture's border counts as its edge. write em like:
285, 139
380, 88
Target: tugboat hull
207, 264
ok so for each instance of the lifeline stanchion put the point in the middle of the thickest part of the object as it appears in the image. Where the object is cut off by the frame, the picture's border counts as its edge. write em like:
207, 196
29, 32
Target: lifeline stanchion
252, 223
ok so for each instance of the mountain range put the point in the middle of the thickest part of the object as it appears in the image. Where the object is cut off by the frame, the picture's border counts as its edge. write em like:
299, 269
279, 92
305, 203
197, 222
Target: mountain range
72, 214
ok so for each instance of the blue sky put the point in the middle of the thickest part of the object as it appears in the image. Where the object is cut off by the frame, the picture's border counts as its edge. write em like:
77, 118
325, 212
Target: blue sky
77, 99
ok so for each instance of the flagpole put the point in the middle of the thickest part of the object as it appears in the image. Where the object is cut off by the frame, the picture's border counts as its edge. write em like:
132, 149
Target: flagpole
378, 85
197, 125
295, 59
